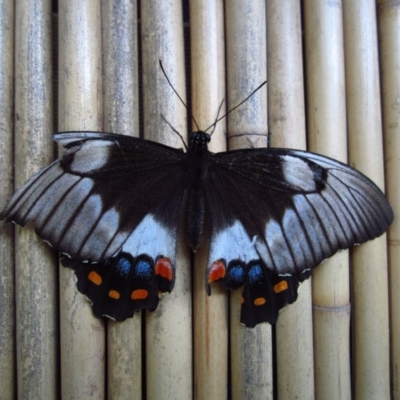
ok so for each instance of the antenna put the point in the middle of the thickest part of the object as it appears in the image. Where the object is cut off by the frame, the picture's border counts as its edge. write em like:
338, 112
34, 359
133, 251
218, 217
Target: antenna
175, 131
179, 97
234, 108
213, 125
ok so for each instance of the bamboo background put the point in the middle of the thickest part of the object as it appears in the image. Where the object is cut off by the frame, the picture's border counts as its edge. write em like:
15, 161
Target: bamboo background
333, 71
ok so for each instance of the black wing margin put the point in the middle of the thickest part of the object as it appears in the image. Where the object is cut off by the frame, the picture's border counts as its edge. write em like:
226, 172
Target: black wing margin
290, 210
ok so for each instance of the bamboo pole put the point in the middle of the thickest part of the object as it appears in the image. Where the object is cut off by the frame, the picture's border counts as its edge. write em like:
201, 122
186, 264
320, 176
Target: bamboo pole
168, 329
286, 109
287, 126
251, 349
121, 115
80, 108
7, 282
327, 135
36, 272
208, 90
371, 327
389, 23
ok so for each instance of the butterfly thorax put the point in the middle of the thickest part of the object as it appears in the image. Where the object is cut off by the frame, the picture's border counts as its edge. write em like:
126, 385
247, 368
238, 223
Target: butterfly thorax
197, 158
198, 141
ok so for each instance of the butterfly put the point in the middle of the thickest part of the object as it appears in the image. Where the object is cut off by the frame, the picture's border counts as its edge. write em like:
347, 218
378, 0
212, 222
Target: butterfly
113, 205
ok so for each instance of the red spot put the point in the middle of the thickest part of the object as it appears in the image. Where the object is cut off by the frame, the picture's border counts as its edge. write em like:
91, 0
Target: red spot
259, 301
139, 294
217, 271
281, 286
164, 268
95, 278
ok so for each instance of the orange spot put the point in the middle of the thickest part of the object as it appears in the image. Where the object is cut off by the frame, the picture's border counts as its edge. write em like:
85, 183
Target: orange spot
164, 268
259, 301
217, 271
114, 294
281, 286
139, 294
242, 300
95, 278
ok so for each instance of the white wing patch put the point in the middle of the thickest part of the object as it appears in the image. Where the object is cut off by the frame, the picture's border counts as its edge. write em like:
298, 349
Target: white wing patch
152, 238
298, 173
233, 243
91, 156
105, 228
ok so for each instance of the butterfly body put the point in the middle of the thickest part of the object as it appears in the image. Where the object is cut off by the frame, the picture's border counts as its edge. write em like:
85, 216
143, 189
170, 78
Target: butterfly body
112, 204
198, 159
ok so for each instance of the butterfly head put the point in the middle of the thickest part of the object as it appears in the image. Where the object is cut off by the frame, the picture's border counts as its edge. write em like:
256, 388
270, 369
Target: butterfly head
198, 141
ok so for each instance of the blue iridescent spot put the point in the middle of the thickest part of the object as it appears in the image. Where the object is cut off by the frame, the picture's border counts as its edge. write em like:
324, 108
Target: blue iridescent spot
143, 269
124, 266
236, 275
255, 274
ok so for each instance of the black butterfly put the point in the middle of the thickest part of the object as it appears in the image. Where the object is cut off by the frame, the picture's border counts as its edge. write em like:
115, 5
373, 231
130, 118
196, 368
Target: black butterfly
112, 205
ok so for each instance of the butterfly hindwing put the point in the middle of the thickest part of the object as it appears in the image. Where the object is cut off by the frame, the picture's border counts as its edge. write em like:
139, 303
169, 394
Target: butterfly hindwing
265, 294
278, 213
123, 284
135, 277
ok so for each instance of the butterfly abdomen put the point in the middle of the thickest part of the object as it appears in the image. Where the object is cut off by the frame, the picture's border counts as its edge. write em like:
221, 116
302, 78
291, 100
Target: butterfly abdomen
195, 217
